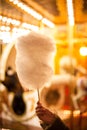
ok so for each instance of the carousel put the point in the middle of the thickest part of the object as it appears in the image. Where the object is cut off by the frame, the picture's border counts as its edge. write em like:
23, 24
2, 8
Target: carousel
54, 73
56, 96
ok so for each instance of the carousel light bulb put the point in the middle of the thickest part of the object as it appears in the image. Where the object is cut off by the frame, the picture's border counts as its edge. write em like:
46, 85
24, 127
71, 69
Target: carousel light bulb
83, 51
9, 20
11, 0
32, 12
4, 19
48, 23
7, 28
0, 17
15, 2
3, 28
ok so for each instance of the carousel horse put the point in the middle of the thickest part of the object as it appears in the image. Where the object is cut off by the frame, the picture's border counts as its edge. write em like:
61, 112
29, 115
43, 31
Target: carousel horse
17, 103
80, 97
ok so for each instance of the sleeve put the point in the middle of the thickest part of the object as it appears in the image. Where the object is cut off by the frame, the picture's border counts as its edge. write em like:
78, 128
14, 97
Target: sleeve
58, 124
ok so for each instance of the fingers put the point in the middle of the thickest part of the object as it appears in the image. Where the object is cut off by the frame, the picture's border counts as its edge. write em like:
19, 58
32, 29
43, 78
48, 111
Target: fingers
39, 106
44, 114
40, 110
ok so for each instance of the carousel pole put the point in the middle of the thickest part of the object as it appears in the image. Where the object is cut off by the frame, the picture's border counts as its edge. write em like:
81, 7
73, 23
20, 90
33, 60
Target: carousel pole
70, 48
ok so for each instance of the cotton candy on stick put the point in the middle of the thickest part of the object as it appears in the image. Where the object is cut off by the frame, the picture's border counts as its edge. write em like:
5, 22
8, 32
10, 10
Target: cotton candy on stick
34, 60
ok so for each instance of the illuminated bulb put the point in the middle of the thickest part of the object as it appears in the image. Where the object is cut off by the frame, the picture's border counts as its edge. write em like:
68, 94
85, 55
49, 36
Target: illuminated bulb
9, 20
20, 5
34, 28
4, 19
32, 12
29, 10
2, 27
83, 51
29, 26
77, 112
14, 30
6, 37
11, 0
0, 17
7, 28
15, 22
15, 2
67, 112
24, 7
48, 23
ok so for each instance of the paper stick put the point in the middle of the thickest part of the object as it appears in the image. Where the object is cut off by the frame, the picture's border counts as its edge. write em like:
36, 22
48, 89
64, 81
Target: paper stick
38, 95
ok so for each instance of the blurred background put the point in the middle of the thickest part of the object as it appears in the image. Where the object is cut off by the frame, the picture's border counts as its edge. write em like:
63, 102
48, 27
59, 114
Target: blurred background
66, 22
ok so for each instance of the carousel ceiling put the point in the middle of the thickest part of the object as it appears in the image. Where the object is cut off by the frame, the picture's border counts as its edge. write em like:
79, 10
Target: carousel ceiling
37, 12
53, 10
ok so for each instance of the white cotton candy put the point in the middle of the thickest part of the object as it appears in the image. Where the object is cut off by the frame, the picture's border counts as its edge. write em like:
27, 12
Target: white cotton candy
34, 60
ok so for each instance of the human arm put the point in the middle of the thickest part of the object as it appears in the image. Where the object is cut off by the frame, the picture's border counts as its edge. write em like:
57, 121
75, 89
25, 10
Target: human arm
49, 120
